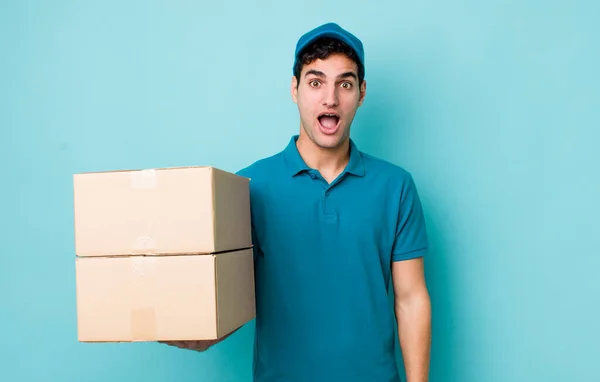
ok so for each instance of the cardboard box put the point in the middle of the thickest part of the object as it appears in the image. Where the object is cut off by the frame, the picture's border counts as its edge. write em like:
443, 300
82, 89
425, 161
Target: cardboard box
162, 254
171, 211
154, 298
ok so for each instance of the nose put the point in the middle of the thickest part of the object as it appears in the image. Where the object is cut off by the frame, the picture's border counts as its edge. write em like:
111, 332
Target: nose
330, 96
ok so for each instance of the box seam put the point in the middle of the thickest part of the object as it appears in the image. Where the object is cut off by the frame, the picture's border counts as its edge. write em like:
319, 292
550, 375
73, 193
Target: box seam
213, 196
216, 270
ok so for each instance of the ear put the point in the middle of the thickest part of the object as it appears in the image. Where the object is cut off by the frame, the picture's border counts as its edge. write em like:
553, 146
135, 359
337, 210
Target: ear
363, 92
294, 89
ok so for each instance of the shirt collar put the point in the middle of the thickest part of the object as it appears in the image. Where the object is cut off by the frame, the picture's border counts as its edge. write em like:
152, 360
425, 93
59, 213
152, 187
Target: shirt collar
296, 164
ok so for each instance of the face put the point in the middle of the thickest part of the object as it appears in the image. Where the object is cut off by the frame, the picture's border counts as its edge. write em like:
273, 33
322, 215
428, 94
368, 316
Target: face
328, 95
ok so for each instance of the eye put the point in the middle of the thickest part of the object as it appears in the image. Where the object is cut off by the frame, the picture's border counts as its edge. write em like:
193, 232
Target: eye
346, 85
314, 83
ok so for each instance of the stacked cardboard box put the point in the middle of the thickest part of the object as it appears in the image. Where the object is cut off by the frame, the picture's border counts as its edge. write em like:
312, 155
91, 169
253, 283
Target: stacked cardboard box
162, 254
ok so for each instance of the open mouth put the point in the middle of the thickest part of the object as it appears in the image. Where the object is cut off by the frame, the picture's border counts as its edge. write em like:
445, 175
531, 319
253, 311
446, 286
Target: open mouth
329, 121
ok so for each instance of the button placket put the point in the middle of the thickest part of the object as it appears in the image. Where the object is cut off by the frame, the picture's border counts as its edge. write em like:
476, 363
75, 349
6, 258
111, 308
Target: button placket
326, 200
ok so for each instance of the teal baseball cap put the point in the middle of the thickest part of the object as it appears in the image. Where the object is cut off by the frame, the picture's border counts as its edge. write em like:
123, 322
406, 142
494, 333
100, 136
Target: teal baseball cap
332, 30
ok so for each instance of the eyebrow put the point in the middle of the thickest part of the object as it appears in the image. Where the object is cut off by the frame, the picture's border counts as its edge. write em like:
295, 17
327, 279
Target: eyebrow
322, 75
315, 73
348, 74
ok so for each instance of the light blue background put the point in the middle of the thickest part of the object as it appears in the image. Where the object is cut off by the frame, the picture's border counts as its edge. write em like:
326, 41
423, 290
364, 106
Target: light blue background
492, 105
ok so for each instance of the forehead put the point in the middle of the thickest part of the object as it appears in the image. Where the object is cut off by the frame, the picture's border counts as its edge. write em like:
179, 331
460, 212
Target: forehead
332, 66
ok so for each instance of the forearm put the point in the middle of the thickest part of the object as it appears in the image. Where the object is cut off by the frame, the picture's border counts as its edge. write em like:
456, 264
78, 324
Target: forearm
414, 333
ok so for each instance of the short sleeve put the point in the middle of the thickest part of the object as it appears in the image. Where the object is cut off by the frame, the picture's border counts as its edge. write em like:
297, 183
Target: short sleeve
411, 239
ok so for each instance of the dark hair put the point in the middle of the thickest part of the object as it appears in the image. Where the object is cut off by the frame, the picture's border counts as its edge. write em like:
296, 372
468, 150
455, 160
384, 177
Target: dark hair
323, 48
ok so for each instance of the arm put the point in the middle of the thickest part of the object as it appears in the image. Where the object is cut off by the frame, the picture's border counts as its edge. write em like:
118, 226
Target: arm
412, 307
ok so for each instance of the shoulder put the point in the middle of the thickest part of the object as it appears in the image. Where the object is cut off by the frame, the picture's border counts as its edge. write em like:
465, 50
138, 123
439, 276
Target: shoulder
386, 171
261, 169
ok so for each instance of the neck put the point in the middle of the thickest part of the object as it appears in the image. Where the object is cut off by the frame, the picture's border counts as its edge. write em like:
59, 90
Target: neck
330, 162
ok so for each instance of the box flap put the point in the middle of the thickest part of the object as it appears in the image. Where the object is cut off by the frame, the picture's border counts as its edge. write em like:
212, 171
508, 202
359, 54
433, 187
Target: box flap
144, 169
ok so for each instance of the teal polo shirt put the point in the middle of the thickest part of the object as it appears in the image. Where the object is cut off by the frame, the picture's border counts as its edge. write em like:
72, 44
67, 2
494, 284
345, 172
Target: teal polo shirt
323, 255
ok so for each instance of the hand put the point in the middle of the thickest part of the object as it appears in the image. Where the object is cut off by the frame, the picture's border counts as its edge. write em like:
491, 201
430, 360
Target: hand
201, 345
197, 345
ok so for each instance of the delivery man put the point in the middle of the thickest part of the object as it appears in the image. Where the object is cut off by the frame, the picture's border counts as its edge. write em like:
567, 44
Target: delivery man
332, 228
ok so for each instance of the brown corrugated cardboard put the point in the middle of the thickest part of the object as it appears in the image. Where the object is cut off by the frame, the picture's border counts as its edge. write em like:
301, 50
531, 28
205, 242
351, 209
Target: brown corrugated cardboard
184, 210
162, 298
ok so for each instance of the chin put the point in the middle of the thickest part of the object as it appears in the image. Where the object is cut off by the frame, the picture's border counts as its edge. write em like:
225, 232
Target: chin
329, 141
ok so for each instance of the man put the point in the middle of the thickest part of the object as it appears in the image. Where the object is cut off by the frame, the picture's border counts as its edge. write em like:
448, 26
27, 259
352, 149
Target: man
332, 226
